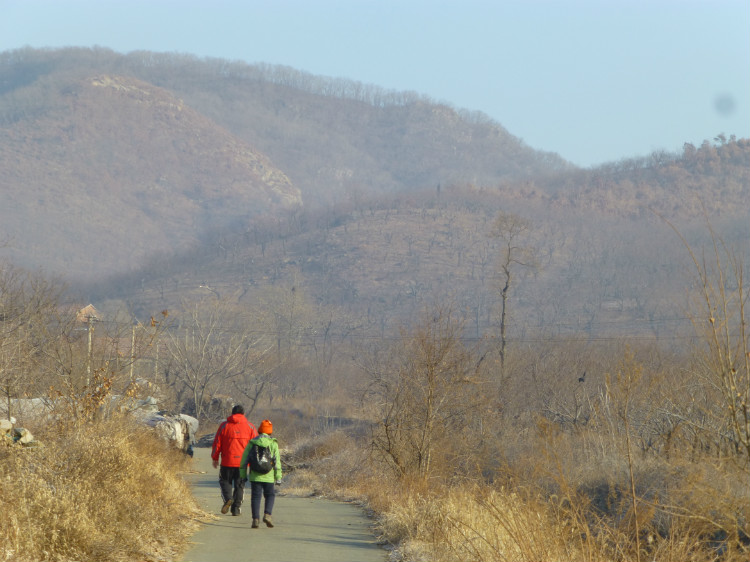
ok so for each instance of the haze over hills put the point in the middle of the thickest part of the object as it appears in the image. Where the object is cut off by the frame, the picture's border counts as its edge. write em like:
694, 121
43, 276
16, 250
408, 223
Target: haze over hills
114, 156
150, 175
121, 168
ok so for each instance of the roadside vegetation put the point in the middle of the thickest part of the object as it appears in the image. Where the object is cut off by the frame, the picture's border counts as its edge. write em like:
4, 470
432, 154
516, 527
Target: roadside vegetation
92, 484
632, 464
109, 490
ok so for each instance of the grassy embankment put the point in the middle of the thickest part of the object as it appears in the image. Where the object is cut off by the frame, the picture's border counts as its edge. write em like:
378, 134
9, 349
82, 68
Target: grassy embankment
107, 491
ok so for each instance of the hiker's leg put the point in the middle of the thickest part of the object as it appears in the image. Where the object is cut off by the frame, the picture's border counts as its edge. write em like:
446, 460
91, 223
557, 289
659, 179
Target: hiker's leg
269, 492
225, 482
256, 491
239, 488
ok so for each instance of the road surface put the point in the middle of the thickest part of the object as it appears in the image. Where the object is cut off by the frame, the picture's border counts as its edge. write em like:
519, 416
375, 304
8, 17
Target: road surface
305, 529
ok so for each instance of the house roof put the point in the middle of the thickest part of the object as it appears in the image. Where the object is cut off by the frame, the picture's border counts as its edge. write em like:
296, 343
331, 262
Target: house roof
86, 313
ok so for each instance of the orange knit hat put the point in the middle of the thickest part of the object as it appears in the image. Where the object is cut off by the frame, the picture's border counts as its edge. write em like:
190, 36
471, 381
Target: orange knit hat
266, 427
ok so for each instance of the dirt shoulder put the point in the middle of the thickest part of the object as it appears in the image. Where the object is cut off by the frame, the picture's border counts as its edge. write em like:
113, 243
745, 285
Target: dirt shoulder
305, 530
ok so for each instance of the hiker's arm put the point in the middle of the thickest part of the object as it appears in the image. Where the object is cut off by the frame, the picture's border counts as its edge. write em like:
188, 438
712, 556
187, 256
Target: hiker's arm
216, 447
277, 467
244, 461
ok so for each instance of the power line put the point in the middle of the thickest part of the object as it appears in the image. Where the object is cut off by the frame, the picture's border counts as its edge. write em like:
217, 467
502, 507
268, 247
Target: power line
557, 332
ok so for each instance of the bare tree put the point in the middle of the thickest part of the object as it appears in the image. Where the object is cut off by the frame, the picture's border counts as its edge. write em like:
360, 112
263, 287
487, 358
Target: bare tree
260, 372
27, 303
516, 252
49, 350
723, 355
214, 349
289, 317
726, 354
427, 389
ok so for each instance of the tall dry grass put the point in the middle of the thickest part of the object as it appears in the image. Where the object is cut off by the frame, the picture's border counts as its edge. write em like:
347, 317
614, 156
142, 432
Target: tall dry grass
586, 453
559, 495
581, 519
106, 491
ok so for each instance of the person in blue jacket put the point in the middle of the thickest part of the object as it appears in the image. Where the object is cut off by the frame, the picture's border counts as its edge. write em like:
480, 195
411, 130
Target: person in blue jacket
262, 484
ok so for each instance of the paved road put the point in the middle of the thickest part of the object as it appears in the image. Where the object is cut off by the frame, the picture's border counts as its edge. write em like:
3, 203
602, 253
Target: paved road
305, 529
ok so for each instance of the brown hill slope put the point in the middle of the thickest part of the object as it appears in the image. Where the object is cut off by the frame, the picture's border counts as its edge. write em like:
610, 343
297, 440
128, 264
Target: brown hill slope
370, 269
340, 139
112, 169
608, 265
329, 135
108, 167
107, 158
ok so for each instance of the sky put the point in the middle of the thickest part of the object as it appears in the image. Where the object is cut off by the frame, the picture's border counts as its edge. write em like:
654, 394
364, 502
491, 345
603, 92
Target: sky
594, 81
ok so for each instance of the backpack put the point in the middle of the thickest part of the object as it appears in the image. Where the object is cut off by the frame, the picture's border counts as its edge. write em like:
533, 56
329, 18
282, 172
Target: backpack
260, 459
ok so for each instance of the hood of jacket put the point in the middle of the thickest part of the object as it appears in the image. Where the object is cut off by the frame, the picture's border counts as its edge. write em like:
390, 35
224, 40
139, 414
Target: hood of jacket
237, 418
263, 440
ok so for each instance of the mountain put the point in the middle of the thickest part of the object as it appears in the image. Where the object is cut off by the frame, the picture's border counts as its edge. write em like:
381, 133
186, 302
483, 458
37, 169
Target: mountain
149, 178
115, 168
107, 158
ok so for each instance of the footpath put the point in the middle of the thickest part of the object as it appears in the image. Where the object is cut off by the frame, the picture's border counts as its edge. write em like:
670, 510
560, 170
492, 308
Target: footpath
305, 529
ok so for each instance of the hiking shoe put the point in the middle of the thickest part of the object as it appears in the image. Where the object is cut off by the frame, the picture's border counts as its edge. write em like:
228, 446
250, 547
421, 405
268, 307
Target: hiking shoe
226, 506
236, 511
256, 523
267, 520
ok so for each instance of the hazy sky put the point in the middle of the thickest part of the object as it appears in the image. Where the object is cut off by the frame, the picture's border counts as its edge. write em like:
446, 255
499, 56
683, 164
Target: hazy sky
594, 80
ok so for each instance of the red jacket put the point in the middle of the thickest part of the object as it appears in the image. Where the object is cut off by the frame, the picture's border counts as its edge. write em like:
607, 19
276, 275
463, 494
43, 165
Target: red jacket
231, 439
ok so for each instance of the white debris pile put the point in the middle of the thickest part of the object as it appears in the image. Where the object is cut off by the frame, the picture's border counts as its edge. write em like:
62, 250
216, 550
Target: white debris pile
11, 435
178, 429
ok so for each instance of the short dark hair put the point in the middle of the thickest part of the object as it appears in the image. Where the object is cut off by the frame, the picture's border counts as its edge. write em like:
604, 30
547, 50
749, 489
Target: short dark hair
238, 409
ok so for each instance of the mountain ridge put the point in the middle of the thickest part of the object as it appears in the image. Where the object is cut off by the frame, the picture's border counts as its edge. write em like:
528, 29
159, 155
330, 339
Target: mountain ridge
144, 178
114, 157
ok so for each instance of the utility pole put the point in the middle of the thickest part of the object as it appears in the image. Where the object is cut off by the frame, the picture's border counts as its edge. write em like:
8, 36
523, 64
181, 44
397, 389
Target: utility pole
90, 322
132, 353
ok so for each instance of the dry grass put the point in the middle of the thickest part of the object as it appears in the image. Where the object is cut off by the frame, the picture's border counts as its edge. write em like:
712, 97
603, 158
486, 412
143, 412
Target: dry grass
484, 523
330, 464
480, 524
108, 491
571, 507
609, 483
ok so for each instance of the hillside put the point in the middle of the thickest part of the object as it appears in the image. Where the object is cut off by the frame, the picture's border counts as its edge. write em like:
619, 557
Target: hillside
116, 168
608, 263
113, 157
150, 177
712, 179
368, 270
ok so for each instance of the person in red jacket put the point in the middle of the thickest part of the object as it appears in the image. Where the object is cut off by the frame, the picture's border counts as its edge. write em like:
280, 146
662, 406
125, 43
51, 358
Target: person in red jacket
230, 441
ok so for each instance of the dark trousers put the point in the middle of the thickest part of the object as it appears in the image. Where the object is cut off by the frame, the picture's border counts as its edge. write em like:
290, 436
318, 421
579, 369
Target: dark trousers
232, 486
258, 489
